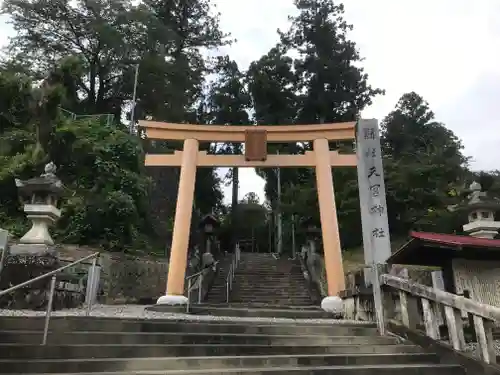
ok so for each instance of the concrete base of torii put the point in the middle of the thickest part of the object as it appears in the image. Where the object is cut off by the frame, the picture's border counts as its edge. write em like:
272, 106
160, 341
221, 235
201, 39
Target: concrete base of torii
172, 300
333, 304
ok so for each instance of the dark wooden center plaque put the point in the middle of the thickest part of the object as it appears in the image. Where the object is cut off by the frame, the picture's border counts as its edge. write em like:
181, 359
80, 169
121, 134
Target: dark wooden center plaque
255, 145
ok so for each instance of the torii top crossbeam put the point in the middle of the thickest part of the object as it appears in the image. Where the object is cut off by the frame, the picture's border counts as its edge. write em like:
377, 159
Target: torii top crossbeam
270, 134
225, 133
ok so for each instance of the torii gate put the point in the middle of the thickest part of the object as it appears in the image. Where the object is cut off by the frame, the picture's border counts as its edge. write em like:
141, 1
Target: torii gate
256, 139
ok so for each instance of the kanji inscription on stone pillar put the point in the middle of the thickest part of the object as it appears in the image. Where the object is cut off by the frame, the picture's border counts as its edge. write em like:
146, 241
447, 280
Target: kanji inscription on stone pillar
255, 145
376, 241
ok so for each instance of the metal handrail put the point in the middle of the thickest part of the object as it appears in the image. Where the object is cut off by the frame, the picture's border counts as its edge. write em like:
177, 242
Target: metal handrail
53, 287
232, 268
189, 279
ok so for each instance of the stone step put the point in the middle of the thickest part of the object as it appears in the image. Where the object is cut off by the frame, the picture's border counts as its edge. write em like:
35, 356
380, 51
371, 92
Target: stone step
244, 269
123, 325
261, 312
403, 369
264, 292
210, 363
270, 298
284, 287
34, 351
254, 305
155, 338
273, 301
296, 300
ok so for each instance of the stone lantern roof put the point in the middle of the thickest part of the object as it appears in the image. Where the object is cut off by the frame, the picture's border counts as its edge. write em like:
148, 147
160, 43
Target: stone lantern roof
36, 189
477, 199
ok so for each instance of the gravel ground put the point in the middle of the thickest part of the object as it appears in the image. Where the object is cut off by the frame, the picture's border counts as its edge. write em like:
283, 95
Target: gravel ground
471, 347
135, 311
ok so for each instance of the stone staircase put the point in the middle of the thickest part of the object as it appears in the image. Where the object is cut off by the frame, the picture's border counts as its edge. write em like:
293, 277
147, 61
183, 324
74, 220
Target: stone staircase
217, 293
107, 346
260, 279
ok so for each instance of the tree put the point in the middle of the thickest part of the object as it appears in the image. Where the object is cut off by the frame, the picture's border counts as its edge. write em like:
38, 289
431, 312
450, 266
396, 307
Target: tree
333, 86
329, 85
423, 163
272, 84
229, 102
251, 198
102, 34
178, 34
100, 165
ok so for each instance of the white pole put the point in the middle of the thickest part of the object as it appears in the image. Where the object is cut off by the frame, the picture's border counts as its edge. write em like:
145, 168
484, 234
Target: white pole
132, 111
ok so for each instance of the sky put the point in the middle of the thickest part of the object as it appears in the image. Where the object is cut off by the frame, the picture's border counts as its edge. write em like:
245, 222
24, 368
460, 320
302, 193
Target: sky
448, 51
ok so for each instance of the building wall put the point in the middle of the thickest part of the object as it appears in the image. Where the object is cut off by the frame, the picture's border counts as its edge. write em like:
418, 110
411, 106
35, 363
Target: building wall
481, 278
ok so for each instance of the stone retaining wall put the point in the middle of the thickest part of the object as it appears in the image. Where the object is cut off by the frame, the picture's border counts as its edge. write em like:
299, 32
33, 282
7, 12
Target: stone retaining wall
124, 278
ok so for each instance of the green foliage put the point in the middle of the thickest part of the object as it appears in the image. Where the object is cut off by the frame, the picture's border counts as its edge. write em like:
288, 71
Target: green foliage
102, 166
423, 163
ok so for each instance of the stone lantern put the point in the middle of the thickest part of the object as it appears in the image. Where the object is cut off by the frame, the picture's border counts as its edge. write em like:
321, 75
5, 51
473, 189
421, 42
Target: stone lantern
34, 254
40, 197
208, 226
313, 234
481, 213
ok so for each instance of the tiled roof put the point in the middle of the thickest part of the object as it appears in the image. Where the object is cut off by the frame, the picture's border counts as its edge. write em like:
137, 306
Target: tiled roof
455, 240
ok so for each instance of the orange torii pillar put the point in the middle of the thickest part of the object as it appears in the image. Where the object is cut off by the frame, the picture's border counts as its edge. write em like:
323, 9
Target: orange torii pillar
182, 225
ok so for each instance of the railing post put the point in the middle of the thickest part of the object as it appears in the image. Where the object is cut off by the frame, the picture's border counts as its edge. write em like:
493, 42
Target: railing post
455, 327
49, 309
188, 295
4, 247
430, 321
377, 300
485, 342
200, 287
91, 285
409, 309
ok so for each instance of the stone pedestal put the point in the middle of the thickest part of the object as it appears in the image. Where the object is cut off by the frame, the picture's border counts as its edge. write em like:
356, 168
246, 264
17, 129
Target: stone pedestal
24, 263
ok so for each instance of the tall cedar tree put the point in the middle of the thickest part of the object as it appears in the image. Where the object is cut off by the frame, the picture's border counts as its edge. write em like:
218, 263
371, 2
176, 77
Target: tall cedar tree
229, 105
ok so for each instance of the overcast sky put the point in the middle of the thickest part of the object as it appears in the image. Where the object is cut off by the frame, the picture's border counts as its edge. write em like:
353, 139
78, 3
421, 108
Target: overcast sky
448, 51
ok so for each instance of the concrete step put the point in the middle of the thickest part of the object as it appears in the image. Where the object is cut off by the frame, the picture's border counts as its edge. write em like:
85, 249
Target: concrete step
403, 369
271, 300
54, 351
123, 325
274, 292
209, 363
293, 301
278, 299
262, 312
255, 305
237, 298
281, 287
155, 338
